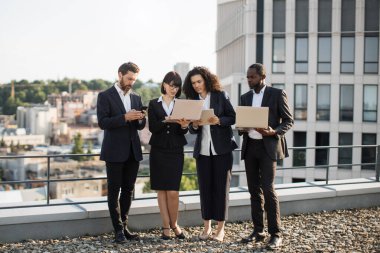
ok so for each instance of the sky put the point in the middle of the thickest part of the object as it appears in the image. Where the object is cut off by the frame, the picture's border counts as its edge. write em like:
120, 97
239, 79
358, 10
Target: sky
90, 39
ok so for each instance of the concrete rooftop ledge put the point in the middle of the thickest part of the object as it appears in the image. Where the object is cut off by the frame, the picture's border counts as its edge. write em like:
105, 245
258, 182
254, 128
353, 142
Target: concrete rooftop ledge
81, 219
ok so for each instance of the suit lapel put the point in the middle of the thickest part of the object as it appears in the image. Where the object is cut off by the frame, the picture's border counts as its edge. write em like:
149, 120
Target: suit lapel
213, 101
161, 109
133, 101
267, 94
250, 98
116, 97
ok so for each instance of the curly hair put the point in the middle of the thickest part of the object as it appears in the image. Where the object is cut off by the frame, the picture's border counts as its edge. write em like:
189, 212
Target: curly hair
211, 82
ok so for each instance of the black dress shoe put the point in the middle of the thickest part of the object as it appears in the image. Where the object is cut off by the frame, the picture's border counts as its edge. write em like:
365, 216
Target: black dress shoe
119, 237
129, 235
180, 236
257, 236
274, 242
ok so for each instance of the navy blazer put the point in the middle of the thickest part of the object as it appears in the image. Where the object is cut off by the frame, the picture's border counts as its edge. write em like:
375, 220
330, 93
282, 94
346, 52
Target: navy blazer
222, 136
164, 135
280, 119
119, 134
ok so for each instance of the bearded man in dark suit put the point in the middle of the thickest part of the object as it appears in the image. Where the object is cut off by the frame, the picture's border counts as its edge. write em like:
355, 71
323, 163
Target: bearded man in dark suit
261, 149
120, 115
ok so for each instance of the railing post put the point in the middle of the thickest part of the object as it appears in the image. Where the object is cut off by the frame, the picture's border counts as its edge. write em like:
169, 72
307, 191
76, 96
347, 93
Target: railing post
48, 182
378, 163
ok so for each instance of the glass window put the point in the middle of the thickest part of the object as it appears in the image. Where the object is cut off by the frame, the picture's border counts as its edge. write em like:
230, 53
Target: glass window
278, 16
302, 15
278, 55
280, 86
322, 155
368, 154
347, 55
371, 16
371, 54
323, 102
370, 103
324, 15
348, 15
345, 154
324, 54
346, 105
301, 55
300, 101
299, 155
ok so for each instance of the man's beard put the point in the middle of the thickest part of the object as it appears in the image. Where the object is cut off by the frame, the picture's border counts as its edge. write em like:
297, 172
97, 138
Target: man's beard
124, 87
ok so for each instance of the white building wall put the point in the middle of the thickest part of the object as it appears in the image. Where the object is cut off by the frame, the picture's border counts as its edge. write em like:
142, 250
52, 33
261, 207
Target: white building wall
236, 49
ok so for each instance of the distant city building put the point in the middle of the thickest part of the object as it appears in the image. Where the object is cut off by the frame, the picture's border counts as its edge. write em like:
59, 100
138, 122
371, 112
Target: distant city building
182, 68
37, 119
70, 105
325, 54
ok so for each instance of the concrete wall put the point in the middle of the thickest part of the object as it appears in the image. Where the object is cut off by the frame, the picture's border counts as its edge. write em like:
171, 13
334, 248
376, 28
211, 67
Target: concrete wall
74, 220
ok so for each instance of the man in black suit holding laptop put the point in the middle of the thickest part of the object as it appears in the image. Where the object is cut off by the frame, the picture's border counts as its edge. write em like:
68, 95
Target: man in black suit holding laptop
261, 149
120, 115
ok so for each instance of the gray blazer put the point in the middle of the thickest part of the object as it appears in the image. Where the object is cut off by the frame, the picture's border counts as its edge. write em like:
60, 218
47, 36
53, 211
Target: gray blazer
280, 119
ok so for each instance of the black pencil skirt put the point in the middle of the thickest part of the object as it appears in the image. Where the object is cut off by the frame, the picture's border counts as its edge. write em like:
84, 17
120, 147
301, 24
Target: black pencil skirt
166, 168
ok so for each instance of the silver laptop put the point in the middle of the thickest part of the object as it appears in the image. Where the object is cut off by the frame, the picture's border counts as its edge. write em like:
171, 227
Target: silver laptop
252, 117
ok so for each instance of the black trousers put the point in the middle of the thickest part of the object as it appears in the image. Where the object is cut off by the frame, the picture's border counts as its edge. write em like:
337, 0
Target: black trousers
121, 178
214, 176
261, 169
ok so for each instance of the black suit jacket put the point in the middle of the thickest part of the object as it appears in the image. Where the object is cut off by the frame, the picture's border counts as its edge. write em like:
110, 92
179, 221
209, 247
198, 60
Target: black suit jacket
221, 135
119, 135
164, 135
280, 119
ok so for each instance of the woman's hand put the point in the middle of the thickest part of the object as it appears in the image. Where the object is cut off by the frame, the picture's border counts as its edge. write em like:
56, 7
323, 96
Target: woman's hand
214, 120
196, 123
184, 123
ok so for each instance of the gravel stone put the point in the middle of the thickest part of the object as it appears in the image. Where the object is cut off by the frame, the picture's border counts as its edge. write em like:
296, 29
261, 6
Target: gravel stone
353, 230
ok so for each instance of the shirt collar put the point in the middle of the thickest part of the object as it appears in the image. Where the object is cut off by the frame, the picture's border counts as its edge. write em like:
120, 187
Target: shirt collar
208, 95
161, 98
120, 91
261, 91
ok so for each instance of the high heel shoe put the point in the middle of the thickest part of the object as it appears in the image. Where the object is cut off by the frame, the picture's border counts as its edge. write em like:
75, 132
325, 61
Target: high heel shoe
180, 235
204, 236
163, 236
219, 236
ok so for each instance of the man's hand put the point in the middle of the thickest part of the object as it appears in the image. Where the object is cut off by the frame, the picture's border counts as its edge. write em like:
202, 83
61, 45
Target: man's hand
266, 131
133, 115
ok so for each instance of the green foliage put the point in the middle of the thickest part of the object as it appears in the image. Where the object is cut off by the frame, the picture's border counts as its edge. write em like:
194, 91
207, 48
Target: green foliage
10, 106
148, 93
188, 182
2, 143
36, 92
78, 147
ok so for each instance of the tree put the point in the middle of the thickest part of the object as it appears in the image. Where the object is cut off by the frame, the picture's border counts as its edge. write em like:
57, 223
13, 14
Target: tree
78, 147
89, 150
2, 143
10, 106
189, 183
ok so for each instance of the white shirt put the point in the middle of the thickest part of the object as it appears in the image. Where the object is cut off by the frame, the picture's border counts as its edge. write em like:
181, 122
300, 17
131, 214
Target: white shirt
256, 102
125, 99
206, 133
168, 109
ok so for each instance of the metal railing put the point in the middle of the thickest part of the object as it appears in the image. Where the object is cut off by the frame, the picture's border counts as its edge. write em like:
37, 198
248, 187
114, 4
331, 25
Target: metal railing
50, 180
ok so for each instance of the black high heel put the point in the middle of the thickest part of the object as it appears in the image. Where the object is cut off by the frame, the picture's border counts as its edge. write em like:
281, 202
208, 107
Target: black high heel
163, 236
179, 236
